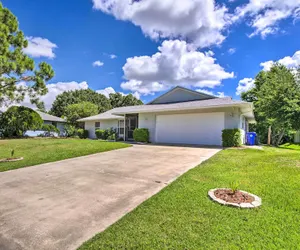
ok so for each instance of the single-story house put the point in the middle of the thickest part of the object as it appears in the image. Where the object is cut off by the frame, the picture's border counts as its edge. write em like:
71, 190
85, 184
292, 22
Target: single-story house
180, 116
50, 120
297, 137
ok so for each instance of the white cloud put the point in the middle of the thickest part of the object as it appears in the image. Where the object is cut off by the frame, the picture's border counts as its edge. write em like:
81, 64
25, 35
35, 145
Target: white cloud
244, 85
265, 15
205, 91
175, 64
232, 51
98, 63
54, 89
209, 53
201, 22
220, 94
112, 56
40, 47
111, 90
136, 95
209, 92
288, 61
106, 91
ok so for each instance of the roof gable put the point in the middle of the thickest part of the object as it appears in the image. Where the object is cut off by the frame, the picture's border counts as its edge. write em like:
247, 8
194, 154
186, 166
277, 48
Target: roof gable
180, 94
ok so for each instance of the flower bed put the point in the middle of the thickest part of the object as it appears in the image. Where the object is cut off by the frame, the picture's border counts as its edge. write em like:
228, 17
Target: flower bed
239, 198
11, 159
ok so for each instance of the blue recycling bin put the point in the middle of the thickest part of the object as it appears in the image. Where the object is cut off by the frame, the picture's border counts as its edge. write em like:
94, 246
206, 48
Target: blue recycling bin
251, 138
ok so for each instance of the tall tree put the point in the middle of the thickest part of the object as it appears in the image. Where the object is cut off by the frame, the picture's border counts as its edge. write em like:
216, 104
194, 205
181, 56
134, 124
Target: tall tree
18, 75
276, 98
80, 110
119, 100
67, 98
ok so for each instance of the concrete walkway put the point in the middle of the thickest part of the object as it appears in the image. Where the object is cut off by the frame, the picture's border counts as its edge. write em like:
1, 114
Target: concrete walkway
62, 204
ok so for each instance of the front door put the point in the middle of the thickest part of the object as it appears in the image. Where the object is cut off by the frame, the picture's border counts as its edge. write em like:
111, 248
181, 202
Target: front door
131, 125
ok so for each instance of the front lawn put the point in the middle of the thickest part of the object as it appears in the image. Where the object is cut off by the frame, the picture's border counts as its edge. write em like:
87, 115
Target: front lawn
291, 146
181, 216
38, 150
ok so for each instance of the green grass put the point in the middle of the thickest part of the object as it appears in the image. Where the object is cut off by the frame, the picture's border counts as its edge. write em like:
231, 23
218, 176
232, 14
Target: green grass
182, 216
37, 151
291, 146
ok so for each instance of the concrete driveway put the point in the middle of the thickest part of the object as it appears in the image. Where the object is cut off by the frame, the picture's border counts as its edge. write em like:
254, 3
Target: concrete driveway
62, 204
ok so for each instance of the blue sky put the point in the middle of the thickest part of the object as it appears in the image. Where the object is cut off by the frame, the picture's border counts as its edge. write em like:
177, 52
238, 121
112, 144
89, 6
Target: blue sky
216, 52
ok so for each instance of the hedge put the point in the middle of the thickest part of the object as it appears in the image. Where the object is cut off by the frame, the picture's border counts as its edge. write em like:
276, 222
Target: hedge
141, 135
232, 137
82, 133
100, 134
108, 134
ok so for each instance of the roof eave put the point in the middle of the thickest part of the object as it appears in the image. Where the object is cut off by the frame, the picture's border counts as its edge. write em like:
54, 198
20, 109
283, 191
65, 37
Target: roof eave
181, 109
99, 119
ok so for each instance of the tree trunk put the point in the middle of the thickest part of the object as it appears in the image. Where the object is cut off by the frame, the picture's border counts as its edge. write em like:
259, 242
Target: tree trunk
280, 137
269, 135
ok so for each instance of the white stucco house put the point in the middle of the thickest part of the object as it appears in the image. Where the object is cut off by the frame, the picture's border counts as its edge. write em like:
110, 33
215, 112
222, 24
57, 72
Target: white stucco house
50, 120
180, 116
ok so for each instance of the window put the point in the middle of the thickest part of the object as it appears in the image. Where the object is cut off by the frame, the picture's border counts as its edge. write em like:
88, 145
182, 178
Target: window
121, 127
97, 125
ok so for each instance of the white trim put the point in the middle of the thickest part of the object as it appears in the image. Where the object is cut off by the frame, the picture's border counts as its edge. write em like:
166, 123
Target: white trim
182, 109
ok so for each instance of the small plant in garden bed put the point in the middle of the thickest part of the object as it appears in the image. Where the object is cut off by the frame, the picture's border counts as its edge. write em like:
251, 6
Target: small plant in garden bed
234, 186
231, 196
234, 197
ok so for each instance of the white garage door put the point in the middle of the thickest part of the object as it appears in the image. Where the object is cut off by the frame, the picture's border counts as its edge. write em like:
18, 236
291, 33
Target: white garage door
205, 129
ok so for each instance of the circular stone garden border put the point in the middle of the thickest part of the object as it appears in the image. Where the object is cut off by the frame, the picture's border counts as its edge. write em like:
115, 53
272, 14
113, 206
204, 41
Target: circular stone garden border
256, 203
11, 160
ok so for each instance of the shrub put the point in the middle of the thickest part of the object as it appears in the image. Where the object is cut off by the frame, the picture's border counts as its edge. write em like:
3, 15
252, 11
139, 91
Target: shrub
110, 133
50, 128
232, 137
16, 120
111, 137
141, 135
100, 134
107, 134
70, 130
82, 133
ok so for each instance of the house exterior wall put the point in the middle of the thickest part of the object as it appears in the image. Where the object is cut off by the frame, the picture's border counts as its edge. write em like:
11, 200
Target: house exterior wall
232, 119
61, 127
148, 121
297, 137
104, 124
47, 123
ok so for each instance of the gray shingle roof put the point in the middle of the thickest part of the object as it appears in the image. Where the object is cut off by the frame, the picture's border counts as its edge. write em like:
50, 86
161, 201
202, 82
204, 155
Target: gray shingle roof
117, 113
104, 116
210, 103
51, 118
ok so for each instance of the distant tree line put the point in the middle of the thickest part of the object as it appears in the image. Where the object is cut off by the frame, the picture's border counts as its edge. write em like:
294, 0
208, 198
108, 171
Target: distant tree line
86, 102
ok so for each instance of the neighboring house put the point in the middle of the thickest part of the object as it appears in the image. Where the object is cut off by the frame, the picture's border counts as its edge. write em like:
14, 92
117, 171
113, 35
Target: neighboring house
180, 116
51, 120
297, 137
